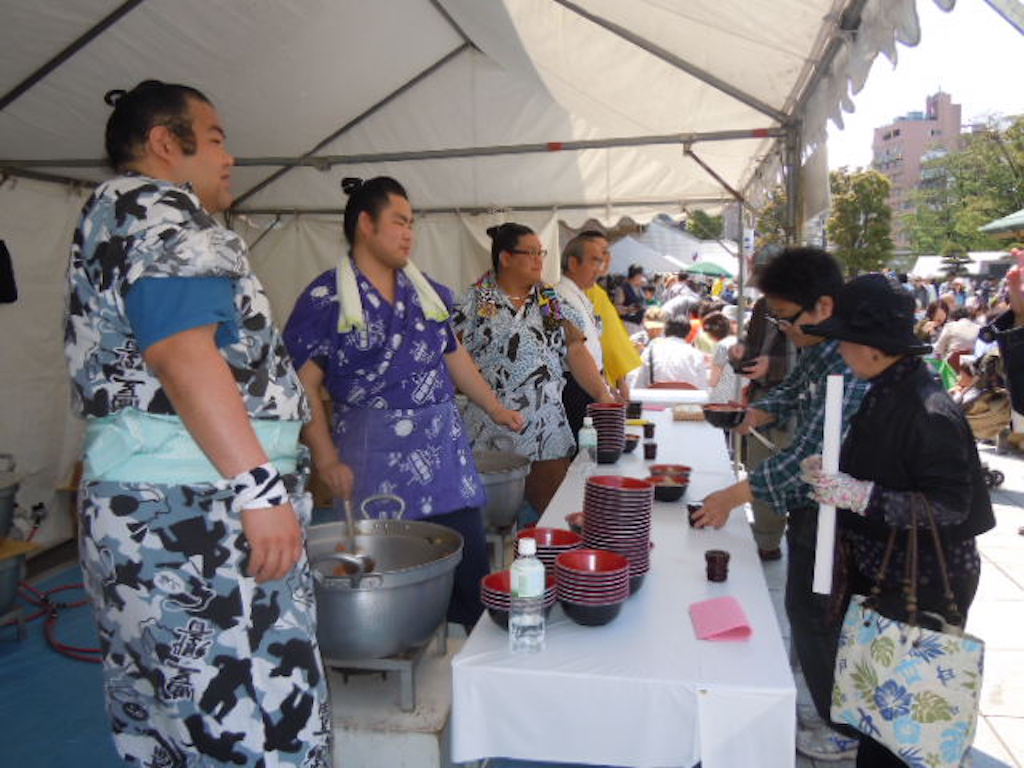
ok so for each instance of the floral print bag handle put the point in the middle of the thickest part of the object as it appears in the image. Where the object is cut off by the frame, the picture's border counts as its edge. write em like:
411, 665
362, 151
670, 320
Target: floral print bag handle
913, 689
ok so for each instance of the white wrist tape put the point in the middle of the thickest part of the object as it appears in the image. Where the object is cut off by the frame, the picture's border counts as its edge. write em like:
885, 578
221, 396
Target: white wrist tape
258, 488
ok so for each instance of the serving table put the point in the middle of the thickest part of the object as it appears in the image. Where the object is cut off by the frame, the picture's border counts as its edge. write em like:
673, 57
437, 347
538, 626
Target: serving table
641, 691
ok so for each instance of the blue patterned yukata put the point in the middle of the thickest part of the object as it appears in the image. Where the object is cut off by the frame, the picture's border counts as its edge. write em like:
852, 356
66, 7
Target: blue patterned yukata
202, 665
522, 354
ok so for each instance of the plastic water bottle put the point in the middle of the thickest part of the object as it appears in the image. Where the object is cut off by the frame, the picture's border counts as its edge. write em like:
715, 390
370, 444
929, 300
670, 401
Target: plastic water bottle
587, 441
526, 615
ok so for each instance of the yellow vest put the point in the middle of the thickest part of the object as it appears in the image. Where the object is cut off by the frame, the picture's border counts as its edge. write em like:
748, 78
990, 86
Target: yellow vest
620, 356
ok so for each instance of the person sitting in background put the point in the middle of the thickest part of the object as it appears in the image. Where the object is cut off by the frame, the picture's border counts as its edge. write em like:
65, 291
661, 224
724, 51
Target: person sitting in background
671, 359
629, 298
722, 379
654, 327
702, 340
682, 299
935, 316
958, 335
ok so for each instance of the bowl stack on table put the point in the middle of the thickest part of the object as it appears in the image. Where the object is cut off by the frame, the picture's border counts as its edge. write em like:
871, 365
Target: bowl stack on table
592, 585
551, 542
496, 595
617, 517
610, 423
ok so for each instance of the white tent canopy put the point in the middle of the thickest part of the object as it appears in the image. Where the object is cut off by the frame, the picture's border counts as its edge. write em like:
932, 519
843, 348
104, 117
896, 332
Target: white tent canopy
629, 251
532, 110
931, 266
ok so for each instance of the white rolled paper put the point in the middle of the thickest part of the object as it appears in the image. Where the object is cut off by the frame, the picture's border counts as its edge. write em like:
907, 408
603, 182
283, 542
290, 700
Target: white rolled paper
830, 443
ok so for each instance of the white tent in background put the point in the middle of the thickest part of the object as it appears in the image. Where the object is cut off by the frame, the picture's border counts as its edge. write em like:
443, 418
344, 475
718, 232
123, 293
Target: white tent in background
931, 266
629, 251
720, 252
666, 237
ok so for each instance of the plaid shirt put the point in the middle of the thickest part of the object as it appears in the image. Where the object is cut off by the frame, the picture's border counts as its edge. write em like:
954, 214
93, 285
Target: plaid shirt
802, 394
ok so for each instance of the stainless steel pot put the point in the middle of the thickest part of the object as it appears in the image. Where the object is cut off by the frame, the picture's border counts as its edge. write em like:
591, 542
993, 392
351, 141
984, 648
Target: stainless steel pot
395, 607
504, 474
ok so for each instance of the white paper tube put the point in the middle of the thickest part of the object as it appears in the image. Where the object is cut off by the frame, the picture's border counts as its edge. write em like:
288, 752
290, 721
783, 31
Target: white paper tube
830, 464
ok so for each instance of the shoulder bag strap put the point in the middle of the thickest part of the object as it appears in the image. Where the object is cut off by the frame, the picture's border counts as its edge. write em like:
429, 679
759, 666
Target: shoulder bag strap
955, 616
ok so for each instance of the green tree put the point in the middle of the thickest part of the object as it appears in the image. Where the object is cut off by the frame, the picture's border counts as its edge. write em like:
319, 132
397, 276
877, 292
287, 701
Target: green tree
960, 191
859, 227
771, 221
704, 226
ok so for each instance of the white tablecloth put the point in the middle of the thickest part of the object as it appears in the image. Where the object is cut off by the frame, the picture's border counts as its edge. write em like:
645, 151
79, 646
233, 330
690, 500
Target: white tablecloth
641, 691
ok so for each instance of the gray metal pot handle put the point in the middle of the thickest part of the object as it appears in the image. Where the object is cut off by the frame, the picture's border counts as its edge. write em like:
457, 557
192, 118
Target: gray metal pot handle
364, 508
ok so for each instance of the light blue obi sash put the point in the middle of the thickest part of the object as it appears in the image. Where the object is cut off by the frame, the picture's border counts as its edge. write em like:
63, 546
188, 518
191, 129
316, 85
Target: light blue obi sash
131, 446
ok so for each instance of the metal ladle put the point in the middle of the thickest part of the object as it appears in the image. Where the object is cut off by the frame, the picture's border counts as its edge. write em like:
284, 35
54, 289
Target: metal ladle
360, 560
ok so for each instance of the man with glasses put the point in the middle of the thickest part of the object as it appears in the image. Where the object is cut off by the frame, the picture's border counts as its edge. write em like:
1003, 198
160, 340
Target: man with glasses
799, 287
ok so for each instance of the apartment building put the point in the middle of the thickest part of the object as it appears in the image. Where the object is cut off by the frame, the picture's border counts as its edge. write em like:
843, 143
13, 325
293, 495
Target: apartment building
899, 148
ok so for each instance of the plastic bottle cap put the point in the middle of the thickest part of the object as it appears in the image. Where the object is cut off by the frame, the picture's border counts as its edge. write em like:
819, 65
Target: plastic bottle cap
527, 546
588, 421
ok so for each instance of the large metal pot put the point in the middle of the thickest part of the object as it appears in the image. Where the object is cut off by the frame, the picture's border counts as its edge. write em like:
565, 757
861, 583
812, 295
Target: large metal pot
396, 606
504, 474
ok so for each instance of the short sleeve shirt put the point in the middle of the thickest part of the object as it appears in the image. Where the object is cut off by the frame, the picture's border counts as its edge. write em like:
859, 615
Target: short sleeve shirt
136, 227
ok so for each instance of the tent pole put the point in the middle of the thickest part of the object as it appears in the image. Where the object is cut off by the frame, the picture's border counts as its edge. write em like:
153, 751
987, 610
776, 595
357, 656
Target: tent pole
70, 50
272, 211
325, 162
791, 175
741, 299
356, 120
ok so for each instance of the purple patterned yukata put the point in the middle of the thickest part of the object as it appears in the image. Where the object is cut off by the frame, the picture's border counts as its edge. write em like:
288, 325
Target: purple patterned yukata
395, 419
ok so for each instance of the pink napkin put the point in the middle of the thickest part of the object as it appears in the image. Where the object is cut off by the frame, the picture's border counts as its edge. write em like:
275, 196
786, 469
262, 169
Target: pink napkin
721, 618
654, 407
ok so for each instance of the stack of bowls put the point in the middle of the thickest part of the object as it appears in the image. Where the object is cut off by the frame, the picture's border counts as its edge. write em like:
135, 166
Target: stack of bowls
610, 423
592, 585
496, 595
617, 517
551, 542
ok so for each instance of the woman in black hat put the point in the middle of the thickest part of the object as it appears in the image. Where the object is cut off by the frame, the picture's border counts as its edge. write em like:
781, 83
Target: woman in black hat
908, 449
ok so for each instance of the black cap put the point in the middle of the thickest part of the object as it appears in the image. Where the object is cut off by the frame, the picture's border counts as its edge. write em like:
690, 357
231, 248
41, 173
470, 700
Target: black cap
876, 311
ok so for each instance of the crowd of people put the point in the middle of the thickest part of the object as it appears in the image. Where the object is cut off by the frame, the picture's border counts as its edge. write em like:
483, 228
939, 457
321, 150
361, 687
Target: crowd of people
204, 423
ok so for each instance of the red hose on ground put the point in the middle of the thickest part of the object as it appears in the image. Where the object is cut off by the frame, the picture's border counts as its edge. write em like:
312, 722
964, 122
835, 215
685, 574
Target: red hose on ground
51, 610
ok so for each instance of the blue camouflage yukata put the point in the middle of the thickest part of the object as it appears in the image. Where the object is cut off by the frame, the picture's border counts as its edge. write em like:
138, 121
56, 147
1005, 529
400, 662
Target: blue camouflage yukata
202, 665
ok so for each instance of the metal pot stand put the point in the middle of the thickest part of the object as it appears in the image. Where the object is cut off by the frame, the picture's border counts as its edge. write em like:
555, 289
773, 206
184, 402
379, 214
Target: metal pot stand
405, 664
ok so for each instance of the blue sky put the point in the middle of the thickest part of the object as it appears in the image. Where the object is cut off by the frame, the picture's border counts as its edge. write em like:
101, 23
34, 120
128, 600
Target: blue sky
971, 53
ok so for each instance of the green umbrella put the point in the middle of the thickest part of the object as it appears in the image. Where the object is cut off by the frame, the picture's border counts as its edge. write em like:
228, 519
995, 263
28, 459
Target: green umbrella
708, 268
